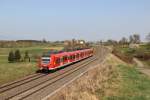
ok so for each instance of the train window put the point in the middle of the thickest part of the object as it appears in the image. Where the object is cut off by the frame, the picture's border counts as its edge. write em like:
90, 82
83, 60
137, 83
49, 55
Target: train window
80, 54
70, 57
61, 59
73, 56
77, 56
57, 60
45, 60
64, 58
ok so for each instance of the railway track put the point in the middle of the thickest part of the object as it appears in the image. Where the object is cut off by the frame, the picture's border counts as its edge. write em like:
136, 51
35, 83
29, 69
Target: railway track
50, 82
37, 86
25, 80
24, 88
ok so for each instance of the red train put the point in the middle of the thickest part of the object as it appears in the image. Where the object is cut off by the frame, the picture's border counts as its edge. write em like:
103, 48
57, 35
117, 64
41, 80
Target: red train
57, 60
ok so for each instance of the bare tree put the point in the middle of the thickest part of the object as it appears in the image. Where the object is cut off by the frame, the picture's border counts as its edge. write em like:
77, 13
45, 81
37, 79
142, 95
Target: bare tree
135, 38
148, 37
131, 39
44, 40
123, 41
111, 42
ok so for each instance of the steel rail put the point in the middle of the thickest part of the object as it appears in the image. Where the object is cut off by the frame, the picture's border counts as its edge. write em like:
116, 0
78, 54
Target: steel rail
66, 73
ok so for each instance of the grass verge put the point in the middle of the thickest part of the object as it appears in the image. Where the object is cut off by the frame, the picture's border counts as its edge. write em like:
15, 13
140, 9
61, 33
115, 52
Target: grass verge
142, 53
133, 85
14, 71
112, 80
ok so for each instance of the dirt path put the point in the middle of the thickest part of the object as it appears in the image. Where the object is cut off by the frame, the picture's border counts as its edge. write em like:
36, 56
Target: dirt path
141, 67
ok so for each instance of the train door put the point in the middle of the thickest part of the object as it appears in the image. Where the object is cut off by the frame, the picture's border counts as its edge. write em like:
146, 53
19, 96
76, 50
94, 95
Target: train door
77, 56
65, 59
73, 57
61, 61
57, 62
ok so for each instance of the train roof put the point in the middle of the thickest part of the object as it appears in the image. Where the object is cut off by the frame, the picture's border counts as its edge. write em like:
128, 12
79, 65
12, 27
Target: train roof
71, 52
49, 53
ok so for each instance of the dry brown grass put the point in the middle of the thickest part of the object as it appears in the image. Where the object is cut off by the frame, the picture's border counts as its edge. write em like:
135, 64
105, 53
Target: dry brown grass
95, 84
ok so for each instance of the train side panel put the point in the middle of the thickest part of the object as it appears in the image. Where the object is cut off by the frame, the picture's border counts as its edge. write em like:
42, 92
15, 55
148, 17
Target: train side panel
62, 59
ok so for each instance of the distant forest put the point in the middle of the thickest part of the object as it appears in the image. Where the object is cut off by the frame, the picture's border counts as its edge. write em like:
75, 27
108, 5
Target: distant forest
28, 43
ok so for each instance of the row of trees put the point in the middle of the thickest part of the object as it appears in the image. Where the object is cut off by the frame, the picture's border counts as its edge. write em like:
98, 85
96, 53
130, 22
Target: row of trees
132, 39
16, 56
27, 43
135, 39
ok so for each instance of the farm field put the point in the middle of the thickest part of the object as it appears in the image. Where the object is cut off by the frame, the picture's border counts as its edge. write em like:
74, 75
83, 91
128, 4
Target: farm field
12, 71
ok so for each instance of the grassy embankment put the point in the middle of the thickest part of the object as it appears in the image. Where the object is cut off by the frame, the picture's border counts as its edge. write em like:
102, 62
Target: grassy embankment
142, 53
113, 80
12, 71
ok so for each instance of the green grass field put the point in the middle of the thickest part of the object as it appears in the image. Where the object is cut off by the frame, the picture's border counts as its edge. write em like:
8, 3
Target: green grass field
133, 85
12, 71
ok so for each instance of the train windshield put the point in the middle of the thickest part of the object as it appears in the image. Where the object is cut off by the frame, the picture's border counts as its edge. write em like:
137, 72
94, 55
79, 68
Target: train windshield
45, 60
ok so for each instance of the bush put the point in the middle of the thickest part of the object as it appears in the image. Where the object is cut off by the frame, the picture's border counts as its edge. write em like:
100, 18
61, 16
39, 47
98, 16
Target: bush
131, 51
126, 58
26, 56
11, 57
17, 55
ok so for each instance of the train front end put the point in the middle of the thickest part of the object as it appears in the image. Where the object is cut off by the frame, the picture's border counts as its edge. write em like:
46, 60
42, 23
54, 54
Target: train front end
45, 63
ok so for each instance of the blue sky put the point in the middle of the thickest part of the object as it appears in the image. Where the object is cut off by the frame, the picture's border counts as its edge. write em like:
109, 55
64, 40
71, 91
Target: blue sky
67, 19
